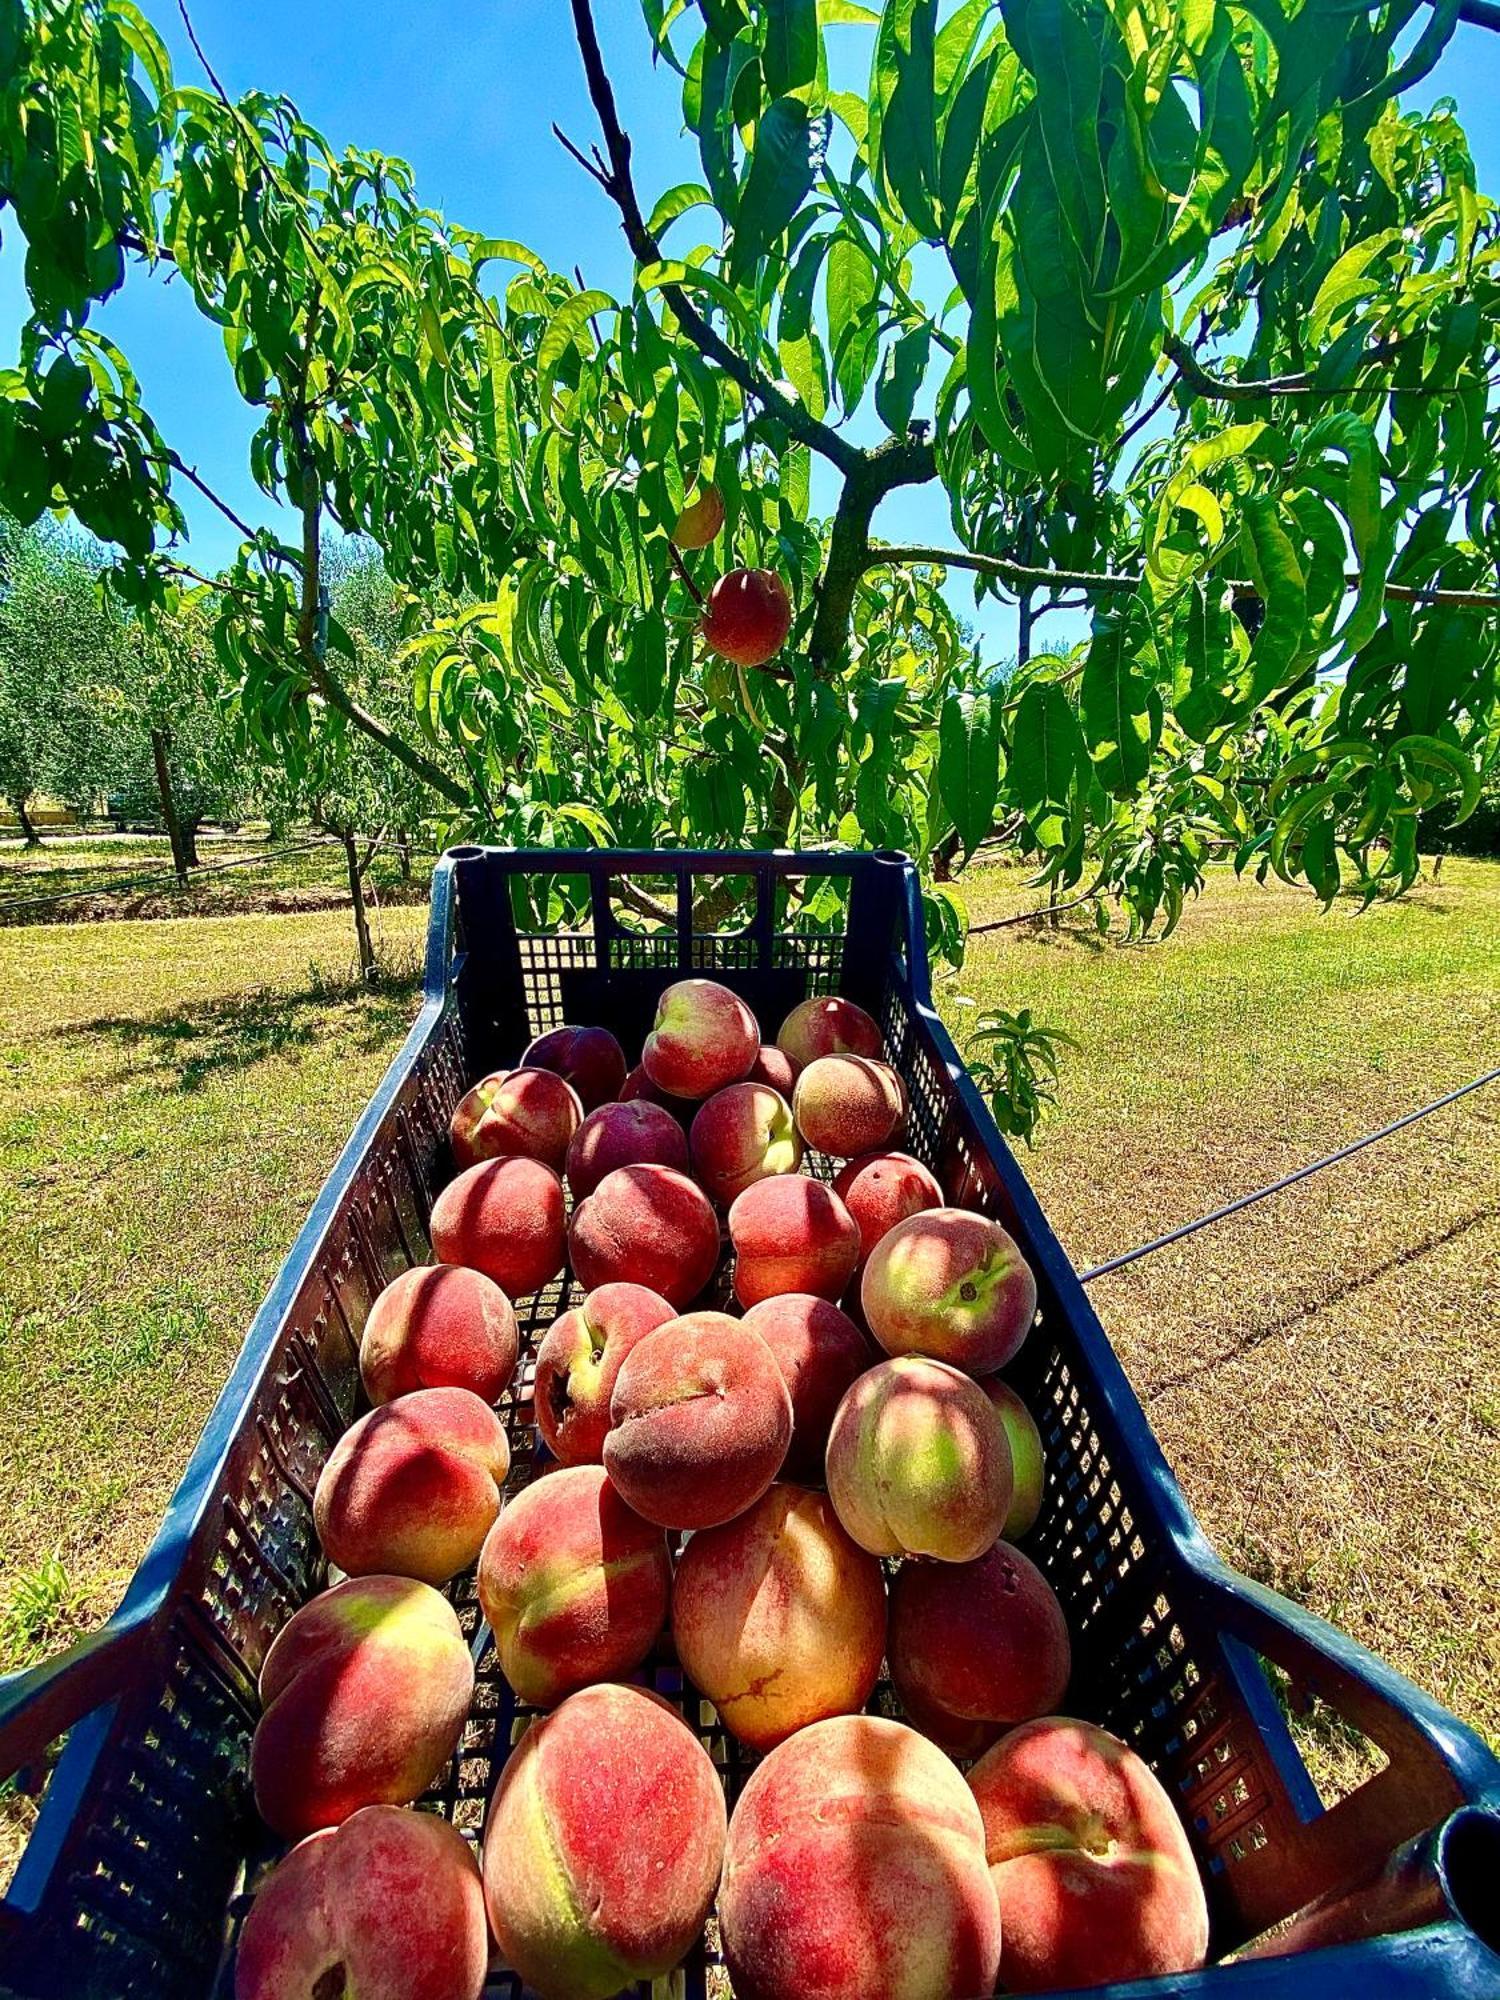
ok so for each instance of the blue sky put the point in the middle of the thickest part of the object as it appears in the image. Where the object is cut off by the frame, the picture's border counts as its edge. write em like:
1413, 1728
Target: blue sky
468, 95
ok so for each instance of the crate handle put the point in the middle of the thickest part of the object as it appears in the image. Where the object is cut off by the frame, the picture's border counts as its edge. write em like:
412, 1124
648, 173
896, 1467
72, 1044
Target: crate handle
42, 1703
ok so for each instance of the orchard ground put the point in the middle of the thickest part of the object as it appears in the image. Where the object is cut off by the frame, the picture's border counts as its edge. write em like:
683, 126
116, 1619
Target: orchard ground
1321, 1370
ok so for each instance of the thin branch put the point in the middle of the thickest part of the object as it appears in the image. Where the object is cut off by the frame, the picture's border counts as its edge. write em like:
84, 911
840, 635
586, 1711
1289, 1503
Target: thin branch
208, 68
1032, 916
195, 478
1231, 389
217, 583
1151, 410
908, 461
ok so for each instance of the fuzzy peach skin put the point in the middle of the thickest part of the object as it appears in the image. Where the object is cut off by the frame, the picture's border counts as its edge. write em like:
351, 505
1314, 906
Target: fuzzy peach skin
700, 1422
848, 1105
918, 1464
983, 1641
574, 1585
413, 1488
951, 1284
639, 1087
506, 1218
827, 1026
603, 1845
439, 1326
576, 1365
636, 1134
743, 1134
647, 1226
881, 1189
1092, 1866
1027, 1459
855, 1866
522, 1113
590, 1059
775, 1067
821, 1353
363, 1694
703, 1037
791, 1234
778, 1617
388, 1906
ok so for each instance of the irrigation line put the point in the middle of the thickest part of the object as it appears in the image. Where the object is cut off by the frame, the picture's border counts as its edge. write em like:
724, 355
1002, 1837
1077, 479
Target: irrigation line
1032, 916
1287, 1180
198, 869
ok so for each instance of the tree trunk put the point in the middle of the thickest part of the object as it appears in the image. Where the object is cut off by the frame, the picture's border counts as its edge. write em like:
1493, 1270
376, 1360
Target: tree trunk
357, 897
182, 860
403, 854
189, 830
23, 819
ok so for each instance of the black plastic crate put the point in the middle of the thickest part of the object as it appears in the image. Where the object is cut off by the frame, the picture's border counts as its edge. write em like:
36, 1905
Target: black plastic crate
133, 1880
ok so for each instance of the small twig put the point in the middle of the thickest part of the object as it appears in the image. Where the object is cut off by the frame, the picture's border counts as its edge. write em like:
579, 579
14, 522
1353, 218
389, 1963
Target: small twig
1033, 916
682, 570
208, 68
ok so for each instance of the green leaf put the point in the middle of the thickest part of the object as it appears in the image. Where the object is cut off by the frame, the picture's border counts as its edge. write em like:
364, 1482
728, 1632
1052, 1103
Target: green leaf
901, 370
779, 179
1114, 706
852, 332
566, 326
791, 53
1045, 748
677, 201
503, 250
969, 765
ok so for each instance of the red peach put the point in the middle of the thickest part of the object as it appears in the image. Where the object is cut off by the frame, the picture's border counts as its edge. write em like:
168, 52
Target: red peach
847, 1105
699, 1422
821, 1353
633, 1134
791, 1234
703, 1037
1090, 1861
743, 1134
827, 1025
573, 1584
516, 1113
881, 1189
775, 1068
506, 1218
639, 1086
413, 1488
588, 1058
439, 1326
646, 1226
951, 1284
747, 617
578, 1360
387, 1906
1028, 1460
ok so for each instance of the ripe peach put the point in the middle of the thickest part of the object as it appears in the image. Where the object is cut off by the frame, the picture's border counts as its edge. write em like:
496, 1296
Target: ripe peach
439, 1326
881, 1189
506, 1218
364, 1693
1027, 1459
699, 1422
982, 1641
638, 1086
827, 1025
774, 1067
778, 1617
791, 1234
820, 1352
635, 1134
743, 1134
588, 1058
918, 1464
951, 1284
413, 1488
854, 1866
387, 1906
747, 617
1091, 1863
527, 1113
703, 1037
847, 1105
603, 1846
577, 1363
573, 1584
700, 520
647, 1226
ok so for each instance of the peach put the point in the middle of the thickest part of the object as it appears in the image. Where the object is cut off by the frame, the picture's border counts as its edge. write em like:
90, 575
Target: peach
413, 1488
774, 1067
700, 1422
791, 1234
603, 1845
634, 1134
855, 1865
820, 1352
703, 1037
364, 1693
573, 1584
700, 520
1089, 1859
747, 617
590, 1059
522, 1113
778, 1617
577, 1363
647, 1226
639, 1087
847, 1105
982, 1641
387, 1906
439, 1326
881, 1189
918, 1464
1027, 1458
743, 1134
506, 1218
827, 1025
951, 1284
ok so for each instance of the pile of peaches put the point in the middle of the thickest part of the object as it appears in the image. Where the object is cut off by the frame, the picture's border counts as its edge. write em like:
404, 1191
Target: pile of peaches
829, 1481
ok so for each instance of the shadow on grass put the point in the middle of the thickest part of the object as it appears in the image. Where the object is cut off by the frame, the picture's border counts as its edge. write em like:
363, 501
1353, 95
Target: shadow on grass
238, 1030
